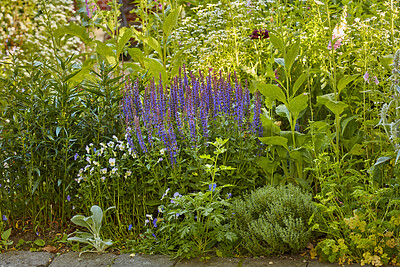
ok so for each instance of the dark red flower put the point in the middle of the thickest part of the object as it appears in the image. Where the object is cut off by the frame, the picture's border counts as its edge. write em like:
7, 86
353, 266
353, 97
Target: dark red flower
260, 34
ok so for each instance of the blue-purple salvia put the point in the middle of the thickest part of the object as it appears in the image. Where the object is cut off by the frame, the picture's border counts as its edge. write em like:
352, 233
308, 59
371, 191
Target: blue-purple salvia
185, 108
139, 135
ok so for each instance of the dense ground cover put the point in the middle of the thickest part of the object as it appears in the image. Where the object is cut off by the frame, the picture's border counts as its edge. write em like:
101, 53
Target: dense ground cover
232, 127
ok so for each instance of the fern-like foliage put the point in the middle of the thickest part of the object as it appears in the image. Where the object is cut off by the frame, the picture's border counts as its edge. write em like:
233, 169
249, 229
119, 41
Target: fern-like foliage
273, 220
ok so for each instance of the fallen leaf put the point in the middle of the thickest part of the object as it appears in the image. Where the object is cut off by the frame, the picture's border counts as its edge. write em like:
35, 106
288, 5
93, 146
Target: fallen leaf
50, 249
313, 253
132, 255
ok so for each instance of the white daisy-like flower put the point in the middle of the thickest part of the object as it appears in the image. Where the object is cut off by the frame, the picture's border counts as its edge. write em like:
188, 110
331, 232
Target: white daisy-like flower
112, 162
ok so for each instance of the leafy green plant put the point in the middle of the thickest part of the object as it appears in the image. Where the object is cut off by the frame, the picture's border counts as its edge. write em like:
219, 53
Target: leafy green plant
93, 224
4, 242
195, 223
273, 220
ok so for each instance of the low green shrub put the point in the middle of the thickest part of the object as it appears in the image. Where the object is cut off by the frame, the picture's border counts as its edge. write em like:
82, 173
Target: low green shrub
273, 220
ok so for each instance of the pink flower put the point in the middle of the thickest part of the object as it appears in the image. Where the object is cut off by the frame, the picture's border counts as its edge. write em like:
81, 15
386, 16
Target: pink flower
366, 77
376, 80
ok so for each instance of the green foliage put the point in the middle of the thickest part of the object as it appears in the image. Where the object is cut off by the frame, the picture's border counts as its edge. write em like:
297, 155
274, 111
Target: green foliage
272, 220
93, 224
190, 225
25, 29
4, 241
193, 224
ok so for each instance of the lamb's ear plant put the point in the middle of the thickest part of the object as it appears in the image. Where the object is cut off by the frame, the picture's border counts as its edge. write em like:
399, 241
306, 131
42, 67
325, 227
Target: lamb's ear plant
392, 128
93, 224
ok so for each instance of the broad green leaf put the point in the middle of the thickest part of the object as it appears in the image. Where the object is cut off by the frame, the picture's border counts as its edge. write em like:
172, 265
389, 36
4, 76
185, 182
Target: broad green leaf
137, 55
156, 68
276, 41
74, 30
292, 54
84, 73
177, 60
171, 21
270, 125
345, 81
97, 217
6, 234
106, 52
268, 165
275, 140
126, 36
78, 220
39, 242
337, 107
283, 111
382, 160
272, 91
346, 121
299, 82
280, 61
298, 104
134, 67
153, 43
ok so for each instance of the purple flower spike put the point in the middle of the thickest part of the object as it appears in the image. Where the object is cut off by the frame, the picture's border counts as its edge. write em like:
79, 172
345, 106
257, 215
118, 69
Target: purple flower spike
155, 222
76, 156
130, 227
4, 217
68, 198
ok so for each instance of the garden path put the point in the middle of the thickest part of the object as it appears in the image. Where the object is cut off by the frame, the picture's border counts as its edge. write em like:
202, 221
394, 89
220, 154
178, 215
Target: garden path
45, 259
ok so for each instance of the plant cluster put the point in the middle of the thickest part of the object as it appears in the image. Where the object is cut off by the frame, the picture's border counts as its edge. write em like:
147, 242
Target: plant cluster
273, 221
293, 92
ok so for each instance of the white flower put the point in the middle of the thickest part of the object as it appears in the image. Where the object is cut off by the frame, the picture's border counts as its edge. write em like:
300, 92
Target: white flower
87, 167
114, 170
88, 159
162, 151
114, 137
128, 173
87, 149
103, 171
103, 178
110, 144
112, 162
166, 192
